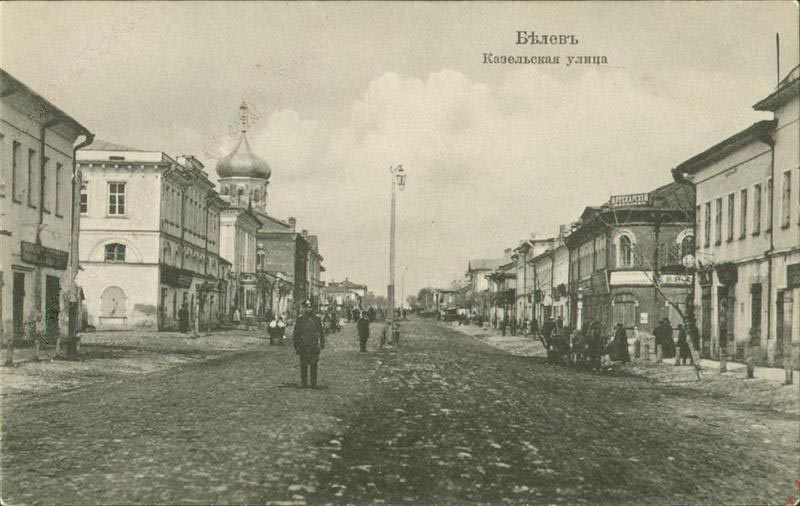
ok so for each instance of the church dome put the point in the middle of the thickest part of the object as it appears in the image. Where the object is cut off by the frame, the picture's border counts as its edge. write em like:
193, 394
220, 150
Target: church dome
242, 162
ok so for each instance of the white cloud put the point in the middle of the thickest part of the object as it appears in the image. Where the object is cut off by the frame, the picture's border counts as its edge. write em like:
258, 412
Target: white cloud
486, 165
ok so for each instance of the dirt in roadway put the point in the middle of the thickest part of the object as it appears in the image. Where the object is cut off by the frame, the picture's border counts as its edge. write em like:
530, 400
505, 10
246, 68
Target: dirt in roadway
460, 422
446, 419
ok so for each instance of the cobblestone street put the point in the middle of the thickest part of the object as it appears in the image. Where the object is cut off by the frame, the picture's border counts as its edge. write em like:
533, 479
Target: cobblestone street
446, 419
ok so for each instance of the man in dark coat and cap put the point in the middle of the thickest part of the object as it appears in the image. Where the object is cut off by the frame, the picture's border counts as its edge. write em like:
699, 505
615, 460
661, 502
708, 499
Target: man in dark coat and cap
309, 340
363, 330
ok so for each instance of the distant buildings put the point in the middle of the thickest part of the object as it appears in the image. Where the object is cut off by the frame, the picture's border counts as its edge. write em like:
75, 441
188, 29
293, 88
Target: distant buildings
156, 235
729, 224
38, 199
345, 294
477, 295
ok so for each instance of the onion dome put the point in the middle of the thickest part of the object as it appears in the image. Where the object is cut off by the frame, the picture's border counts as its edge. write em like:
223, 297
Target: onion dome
242, 162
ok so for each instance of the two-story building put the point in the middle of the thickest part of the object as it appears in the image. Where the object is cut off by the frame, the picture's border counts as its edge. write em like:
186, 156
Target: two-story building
550, 270
477, 297
748, 240
526, 276
625, 259
502, 291
38, 217
150, 238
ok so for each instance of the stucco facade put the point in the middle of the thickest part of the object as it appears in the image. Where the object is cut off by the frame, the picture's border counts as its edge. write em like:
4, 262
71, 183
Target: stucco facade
748, 221
37, 205
141, 263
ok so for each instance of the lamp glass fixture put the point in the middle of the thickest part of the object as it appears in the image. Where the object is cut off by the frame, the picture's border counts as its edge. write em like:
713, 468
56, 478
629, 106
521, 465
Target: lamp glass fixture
401, 178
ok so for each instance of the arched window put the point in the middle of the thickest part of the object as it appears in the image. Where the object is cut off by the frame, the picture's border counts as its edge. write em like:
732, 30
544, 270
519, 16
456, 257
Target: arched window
112, 302
261, 257
115, 252
687, 245
625, 255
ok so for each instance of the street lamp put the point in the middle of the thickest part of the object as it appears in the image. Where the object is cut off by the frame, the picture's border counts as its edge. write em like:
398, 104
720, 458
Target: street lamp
398, 178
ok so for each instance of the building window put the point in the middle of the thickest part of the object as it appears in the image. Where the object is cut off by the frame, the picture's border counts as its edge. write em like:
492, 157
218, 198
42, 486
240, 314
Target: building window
769, 205
786, 199
756, 209
718, 222
742, 213
731, 214
84, 199
625, 255
115, 252
14, 170
707, 225
116, 199
31, 156
687, 245
59, 171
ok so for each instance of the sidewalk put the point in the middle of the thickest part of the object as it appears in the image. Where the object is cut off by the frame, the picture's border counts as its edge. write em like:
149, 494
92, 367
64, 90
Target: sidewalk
107, 355
523, 346
528, 346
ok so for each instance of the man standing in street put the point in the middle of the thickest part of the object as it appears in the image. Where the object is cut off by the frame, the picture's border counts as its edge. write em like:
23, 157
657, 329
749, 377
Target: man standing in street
183, 319
309, 340
363, 330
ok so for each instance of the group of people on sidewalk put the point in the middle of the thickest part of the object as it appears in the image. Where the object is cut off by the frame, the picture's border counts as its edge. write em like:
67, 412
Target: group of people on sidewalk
663, 338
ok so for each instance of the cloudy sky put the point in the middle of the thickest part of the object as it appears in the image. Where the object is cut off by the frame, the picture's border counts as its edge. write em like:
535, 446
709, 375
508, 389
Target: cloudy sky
343, 91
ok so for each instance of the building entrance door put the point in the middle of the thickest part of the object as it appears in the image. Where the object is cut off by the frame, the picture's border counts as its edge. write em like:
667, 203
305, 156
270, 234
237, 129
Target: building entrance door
52, 294
705, 315
625, 311
18, 303
783, 323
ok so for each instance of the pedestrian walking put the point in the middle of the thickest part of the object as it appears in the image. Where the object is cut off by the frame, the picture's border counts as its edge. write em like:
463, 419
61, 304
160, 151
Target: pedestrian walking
683, 347
183, 318
620, 351
309, 341
363, 331
237, 317
668, 346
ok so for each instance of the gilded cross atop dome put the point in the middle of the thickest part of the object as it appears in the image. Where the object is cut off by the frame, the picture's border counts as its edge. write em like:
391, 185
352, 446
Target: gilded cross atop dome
244, 116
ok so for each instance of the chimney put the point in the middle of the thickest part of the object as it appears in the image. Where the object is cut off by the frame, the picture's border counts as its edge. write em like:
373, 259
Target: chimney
305, 232
292, 222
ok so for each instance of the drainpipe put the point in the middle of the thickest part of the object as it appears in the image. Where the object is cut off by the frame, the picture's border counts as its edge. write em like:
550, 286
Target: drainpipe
74, 259
769, 141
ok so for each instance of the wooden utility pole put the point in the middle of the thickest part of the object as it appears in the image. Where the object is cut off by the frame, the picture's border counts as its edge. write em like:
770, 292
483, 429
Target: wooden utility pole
9, 342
